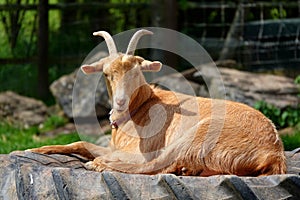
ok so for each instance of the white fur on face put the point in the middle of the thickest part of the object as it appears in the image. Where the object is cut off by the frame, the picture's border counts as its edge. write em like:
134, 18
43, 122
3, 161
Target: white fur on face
126, 86
120, 98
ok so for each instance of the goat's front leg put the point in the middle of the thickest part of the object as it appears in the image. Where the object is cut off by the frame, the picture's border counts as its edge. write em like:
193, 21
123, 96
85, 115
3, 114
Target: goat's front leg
165, 163
82, 148
97, 165
102, 163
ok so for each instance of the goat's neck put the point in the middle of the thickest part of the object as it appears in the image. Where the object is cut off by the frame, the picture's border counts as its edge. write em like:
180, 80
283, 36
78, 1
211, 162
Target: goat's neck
142, 95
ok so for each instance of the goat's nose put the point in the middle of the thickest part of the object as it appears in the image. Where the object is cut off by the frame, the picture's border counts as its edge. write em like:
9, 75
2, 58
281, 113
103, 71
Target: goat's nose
120, 102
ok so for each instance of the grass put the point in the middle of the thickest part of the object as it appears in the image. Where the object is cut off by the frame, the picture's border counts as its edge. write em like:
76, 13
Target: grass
15, 138
292, 141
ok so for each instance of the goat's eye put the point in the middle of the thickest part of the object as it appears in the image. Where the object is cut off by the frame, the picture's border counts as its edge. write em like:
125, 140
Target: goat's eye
105, 75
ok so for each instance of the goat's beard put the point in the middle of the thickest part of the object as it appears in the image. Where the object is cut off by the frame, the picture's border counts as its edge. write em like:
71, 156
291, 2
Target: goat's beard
117, 118
118, 112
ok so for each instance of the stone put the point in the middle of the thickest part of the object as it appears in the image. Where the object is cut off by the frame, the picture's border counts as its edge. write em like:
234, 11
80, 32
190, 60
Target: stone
80, 106
26, 175
62, 90
231, 84
22, 110
178, 83
249, 88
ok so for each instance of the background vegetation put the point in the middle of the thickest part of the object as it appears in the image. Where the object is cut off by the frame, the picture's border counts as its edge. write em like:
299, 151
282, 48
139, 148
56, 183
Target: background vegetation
283, 118
13, 137
71, 23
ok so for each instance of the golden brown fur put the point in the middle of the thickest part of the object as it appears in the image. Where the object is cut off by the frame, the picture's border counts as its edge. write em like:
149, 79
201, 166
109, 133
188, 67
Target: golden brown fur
160, 131
242, 142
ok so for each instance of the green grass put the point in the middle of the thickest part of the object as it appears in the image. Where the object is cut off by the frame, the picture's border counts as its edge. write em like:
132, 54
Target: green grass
14, 138
53, 122
292, 141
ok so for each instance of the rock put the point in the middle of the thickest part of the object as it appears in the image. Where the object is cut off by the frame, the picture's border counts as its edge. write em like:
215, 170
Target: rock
62, 90
232, 84
26, 175
287, 131
23, 110
104, 140
65, 129
178, 83
248, 88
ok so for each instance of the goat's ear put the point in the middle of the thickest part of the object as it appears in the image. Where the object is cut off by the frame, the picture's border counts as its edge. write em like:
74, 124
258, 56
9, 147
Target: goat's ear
92, 68
151, 66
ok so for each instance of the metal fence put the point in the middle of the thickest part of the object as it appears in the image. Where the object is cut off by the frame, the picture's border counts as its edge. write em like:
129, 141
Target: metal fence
44, 41
258, 35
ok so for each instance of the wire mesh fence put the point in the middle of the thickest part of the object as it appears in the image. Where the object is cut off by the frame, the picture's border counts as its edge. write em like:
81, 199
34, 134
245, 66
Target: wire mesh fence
259, 35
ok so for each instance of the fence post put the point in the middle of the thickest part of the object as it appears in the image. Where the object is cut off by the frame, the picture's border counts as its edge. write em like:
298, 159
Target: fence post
165, 15
235, 31
42, 60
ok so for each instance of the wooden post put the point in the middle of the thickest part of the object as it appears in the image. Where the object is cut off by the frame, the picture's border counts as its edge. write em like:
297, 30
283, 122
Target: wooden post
234, 32
43, 84
165, 15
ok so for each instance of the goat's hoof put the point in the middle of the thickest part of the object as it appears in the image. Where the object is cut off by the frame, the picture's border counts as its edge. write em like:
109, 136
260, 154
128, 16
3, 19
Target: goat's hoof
91, 165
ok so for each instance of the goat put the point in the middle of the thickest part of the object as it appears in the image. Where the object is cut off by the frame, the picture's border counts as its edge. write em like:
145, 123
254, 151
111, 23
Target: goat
158, 131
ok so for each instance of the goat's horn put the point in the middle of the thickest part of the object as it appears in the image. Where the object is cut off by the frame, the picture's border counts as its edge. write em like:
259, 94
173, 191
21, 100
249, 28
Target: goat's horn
109, 41
134, 40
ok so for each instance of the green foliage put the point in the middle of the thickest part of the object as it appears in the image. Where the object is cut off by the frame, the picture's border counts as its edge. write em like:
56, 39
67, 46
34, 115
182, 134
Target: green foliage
276, 13
212, 16
53, 122
5, 51
18, 30
291, 142
281, 118
297, 80
121, 18
183, 4
15, 138
54, 18
288, 117
20, 78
